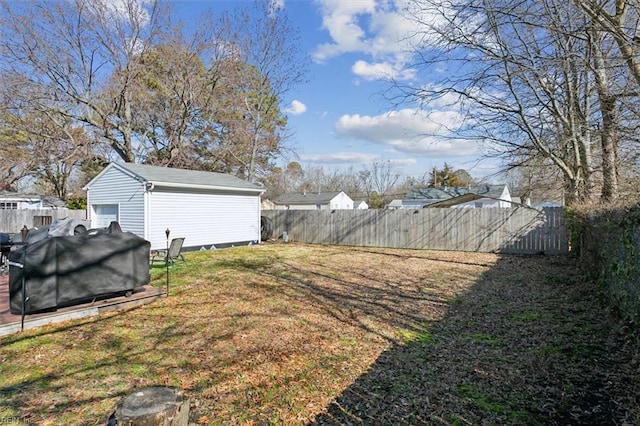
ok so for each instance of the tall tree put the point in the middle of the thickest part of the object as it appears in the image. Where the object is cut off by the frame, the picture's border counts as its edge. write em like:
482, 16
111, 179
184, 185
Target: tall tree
174, 100
620, 19
38, 142
69, 50
523, 73
264, 62
57, 148
16, 161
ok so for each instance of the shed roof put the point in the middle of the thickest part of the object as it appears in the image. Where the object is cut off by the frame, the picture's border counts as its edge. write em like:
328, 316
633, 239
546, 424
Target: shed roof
182, 178
306, 197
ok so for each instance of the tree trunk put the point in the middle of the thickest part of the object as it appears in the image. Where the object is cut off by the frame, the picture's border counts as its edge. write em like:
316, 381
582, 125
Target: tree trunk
608, 137
609, 150
153, 406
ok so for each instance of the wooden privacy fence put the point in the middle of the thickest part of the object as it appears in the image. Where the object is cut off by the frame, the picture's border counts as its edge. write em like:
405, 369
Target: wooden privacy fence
12, 221
518, 230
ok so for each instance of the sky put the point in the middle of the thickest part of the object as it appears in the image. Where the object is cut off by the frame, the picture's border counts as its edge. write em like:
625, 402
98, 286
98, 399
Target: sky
340, 119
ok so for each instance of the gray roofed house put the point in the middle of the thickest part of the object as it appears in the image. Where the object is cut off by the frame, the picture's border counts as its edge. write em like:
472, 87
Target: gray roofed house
479, 196
10, 200
444, 193
313, 201
360, 204
209, 210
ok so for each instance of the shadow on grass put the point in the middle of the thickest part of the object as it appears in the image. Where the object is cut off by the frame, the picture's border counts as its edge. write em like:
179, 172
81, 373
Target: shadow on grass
529, 343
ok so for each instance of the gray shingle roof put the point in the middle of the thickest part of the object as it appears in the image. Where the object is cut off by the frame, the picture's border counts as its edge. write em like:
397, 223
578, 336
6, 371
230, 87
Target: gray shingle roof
187, 178
306, 197
47, 200
19, 195
489, 191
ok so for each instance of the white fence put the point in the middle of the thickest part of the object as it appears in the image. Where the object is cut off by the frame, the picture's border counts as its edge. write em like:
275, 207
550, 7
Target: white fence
12, 221
517, 230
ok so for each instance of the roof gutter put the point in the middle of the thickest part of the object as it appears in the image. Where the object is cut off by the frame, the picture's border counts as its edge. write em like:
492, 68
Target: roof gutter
209, 187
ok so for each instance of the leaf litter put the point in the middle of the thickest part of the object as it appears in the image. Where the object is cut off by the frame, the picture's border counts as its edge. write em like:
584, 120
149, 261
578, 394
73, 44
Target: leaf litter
325, 335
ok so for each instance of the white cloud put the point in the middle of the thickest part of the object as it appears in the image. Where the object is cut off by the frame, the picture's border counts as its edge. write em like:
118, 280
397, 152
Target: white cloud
380, 70
296, 108
340, 19
340, 158
377, 29
367, 26
410, 131
403, 162
123, 10
277, 4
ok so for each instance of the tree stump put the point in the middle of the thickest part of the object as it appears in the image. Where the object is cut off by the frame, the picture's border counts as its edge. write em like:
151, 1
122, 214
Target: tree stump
152, 406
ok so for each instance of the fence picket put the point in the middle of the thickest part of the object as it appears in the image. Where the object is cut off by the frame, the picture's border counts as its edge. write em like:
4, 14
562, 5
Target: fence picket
517, 230
12, 221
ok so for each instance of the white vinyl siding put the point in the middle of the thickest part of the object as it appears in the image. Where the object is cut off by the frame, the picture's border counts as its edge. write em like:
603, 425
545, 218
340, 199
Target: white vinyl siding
117, 188
342, 201
203, 218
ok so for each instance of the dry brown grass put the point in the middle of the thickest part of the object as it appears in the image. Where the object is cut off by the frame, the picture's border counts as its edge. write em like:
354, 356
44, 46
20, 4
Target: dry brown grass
299, 334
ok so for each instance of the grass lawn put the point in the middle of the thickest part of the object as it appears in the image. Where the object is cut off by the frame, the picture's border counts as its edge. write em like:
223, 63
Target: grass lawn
297, 334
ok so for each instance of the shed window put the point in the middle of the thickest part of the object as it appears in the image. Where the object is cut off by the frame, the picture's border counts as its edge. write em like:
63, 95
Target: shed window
8, 205
478, 205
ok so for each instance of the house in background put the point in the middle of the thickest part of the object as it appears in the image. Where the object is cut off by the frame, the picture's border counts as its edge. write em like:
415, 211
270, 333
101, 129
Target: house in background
314, 201
481, 196
547, 204
360, 204
14, 200
208, 209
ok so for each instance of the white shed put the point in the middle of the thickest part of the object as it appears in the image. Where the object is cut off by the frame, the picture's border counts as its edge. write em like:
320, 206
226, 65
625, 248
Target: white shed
207, 209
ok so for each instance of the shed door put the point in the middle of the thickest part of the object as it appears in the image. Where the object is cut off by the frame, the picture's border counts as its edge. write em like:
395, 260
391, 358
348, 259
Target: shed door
104, 214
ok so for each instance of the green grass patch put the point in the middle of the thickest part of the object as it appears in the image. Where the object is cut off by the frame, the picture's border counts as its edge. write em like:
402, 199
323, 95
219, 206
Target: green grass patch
483, 339
526, 317
411, 336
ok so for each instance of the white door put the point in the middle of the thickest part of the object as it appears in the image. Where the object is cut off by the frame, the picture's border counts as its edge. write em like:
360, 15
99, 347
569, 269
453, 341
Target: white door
104, 214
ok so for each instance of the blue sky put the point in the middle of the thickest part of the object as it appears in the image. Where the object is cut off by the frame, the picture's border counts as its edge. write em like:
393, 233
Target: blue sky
339, 119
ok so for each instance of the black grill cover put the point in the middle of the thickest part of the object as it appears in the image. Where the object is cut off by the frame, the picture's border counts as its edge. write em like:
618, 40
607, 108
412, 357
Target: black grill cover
5, 239
62, 271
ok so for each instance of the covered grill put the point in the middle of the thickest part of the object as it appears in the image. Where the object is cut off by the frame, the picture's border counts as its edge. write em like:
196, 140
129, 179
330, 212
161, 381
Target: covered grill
5, 247
61, 271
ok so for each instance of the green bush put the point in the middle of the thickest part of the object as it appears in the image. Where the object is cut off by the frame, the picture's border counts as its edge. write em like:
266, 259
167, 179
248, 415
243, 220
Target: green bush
608, 243
77, 203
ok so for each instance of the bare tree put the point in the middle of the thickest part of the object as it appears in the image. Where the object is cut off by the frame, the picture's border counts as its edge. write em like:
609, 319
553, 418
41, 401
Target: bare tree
39, 142
523, 73
620, 19
380, 177
264, 63
79, 55
58, 149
